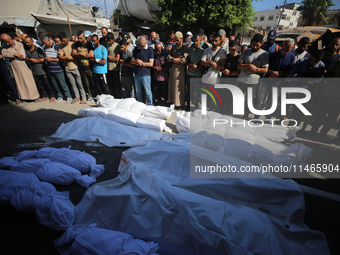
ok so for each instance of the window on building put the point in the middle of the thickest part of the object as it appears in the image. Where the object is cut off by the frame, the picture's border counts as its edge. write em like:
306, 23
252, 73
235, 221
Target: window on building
262, 18
268, 28
280, 27
294, 13
288, 18
284, 16
271, 17
255, 18
277, 17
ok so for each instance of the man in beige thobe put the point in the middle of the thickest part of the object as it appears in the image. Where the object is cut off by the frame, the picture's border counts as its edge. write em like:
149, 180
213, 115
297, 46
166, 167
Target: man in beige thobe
177, 57
27, 89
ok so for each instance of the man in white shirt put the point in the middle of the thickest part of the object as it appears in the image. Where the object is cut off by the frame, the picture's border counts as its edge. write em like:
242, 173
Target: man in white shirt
300, 51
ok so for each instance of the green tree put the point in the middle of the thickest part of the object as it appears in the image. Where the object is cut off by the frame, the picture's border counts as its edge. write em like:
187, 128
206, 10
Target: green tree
179, 14
314, 12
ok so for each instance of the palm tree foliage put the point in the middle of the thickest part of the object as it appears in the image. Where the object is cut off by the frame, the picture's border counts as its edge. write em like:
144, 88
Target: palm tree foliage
314, 12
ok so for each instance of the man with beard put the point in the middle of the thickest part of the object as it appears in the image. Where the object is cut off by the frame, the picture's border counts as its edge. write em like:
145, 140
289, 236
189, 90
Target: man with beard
103, 41
35, 57
195, 69
253, 63
82, 50
72, 72
177, 58
27, 89
126, 70
100, 64
213, 59
113, 55
300, 52
331, 52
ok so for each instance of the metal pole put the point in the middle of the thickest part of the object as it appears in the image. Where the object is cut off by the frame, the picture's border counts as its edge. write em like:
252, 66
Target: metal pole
105, 8
69, 24
281, 12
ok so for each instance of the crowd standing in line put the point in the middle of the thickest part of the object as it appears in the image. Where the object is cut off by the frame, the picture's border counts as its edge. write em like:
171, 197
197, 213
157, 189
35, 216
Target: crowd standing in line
79, 68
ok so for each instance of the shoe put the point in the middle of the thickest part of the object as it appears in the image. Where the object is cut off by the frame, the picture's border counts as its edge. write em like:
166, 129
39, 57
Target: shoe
37, 100
83, 101
52, 100
59, 99
89, 100
18, 101
69, 100
44, 99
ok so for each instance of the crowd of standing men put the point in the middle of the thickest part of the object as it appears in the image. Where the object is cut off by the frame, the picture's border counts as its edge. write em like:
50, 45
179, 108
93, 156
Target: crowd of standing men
155, 72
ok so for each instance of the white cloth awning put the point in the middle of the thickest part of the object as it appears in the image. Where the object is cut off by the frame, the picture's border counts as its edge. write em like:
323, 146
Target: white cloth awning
50, 19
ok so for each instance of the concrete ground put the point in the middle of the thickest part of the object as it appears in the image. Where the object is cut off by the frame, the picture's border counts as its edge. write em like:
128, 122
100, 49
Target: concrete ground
23, 125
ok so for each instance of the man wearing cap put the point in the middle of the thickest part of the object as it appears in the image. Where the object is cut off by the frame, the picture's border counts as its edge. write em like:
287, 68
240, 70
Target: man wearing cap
300, 52
189, 35
271, 46
177, 58
224, 40
130, 46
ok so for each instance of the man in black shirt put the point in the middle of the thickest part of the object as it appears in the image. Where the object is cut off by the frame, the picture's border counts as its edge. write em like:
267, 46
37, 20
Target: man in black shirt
231, 61
126, 70
83, 51
331, 53
103, 41
35, 57
6, 79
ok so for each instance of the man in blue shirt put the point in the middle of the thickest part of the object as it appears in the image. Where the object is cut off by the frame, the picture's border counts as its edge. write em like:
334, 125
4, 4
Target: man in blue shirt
142, 59
314, 69
271, 46
280, 64
309, 67
100, 64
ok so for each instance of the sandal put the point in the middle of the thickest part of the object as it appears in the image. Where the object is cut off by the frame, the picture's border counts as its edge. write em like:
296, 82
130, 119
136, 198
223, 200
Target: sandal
38, 100
52, 99
83, 101
18, 101
75, 100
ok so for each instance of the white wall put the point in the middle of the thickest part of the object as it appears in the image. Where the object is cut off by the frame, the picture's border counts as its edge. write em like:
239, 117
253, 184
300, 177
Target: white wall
291, 20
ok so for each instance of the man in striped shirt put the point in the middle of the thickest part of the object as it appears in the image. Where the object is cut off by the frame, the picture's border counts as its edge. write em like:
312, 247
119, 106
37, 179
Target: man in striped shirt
54, 69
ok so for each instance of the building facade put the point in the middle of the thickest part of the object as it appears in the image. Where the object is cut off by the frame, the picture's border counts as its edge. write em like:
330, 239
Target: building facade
270, 19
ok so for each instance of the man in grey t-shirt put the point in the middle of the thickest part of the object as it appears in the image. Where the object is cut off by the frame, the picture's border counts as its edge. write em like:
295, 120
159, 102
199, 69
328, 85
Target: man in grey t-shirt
253, 63
214, 59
